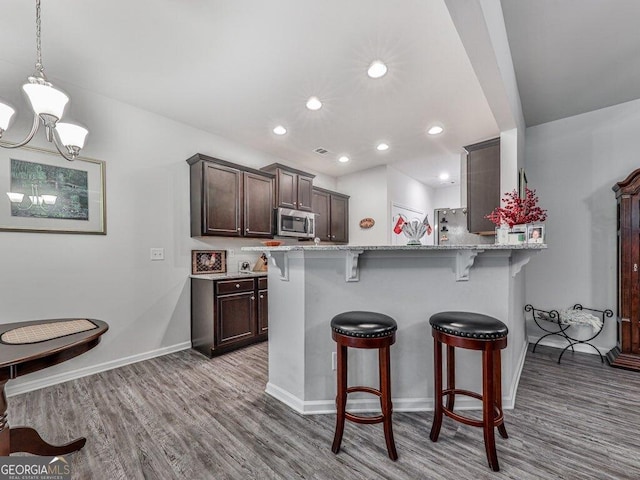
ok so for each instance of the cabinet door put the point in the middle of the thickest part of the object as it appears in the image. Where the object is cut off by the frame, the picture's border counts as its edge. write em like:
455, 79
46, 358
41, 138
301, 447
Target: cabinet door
235, 318
339, 219
263, 311
321, 207
258, 201
221, 202
483, 184
287, 189
305, 192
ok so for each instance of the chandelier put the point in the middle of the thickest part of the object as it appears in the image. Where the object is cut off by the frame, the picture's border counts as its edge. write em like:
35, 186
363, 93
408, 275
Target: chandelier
48, 104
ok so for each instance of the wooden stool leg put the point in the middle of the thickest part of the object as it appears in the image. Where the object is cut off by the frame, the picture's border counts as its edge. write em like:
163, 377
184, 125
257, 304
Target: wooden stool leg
341, 397
488, 408
437, 394
451, 375
497, 380
385, 399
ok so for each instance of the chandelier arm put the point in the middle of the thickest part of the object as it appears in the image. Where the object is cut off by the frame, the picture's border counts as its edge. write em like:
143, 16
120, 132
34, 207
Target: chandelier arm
56, 142
34, 130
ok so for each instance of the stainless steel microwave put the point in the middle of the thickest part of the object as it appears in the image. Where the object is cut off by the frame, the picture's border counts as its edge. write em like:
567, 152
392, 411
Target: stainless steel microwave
294, 223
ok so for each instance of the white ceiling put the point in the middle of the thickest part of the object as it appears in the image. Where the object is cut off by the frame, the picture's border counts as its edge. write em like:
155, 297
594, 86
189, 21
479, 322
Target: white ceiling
573, 56
238, 68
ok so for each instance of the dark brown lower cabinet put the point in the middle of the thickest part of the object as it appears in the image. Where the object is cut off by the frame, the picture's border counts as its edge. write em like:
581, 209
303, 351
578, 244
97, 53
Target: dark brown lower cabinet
228, 314
263, 306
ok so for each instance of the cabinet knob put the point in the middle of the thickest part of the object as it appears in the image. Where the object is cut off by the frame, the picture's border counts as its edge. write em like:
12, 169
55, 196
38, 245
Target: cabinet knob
247, 230
333, 236
238, 228
328, 236
237, 285
261, 296
253, 298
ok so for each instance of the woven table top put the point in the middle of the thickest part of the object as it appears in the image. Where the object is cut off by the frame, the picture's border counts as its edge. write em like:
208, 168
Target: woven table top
46, 331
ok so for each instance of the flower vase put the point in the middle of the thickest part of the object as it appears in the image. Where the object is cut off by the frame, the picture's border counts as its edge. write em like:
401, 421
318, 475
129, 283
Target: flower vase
502, 235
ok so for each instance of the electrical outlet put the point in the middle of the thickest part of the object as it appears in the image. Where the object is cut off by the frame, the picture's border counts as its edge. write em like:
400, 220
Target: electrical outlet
157, 254
334, 360
231, 252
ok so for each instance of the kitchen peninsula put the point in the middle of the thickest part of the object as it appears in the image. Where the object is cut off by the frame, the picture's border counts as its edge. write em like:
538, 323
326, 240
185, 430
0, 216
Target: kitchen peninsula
308, 285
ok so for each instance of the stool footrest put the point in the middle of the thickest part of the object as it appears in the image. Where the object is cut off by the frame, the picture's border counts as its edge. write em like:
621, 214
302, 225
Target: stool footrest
364, 420
370, 390
497, 420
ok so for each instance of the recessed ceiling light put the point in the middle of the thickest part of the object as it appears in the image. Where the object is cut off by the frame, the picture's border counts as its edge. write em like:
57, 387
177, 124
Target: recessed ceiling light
444, 176
377, 69
314, 103
382, 147
343, 159
279, 130
435, 130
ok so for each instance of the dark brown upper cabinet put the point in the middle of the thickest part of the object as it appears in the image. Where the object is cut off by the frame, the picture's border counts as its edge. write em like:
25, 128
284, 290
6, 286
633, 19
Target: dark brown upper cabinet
230, 200
293, 187
483, 184
332, 215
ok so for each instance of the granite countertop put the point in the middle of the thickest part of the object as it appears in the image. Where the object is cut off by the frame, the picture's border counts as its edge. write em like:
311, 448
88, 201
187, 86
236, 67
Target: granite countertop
320, 248
229, 276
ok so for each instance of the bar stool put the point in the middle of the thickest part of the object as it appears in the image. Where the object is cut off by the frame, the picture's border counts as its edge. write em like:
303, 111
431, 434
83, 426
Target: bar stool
476, 332
364, 330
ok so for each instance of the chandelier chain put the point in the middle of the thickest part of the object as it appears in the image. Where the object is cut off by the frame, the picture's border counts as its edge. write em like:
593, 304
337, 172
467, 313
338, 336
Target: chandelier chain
39, 66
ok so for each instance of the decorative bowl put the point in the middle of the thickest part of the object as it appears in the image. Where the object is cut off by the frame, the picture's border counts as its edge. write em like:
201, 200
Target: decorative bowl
414, 231
272, 243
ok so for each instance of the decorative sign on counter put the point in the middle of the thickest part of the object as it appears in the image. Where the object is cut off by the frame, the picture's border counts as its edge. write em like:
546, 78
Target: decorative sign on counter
208, 261
367, 222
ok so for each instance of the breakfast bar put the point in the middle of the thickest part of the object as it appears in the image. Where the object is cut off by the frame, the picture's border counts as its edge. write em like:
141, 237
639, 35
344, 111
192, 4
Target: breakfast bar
308, 285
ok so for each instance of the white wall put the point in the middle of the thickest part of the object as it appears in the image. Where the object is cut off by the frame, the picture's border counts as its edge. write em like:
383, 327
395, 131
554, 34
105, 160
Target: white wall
447, 197
573, 163
146, 304
368, 191
410, 193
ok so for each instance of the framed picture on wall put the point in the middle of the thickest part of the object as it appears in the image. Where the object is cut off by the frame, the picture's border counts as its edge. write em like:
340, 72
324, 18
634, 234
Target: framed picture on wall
535, 233
44, 193
205, 262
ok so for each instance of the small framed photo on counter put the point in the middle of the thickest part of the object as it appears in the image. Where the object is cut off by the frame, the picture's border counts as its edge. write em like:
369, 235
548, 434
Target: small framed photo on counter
206, 262
535, 233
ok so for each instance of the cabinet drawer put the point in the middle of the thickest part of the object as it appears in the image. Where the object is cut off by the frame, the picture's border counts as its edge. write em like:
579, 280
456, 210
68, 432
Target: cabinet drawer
234, 286
262, 283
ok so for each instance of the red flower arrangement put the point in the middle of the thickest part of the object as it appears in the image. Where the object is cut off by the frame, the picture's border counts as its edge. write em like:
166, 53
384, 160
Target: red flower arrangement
518, 211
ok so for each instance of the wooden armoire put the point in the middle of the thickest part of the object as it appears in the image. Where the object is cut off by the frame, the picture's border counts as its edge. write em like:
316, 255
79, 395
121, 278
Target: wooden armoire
626, 353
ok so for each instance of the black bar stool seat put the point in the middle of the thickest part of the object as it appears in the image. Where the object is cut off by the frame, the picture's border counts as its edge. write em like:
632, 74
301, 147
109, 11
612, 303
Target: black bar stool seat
361, 329
476, 332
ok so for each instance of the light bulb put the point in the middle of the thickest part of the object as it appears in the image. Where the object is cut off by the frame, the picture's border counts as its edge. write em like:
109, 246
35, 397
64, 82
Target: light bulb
377, 69
314, 103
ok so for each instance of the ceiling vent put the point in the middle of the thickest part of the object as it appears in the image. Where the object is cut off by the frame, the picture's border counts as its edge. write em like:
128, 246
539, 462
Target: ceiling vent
321, 151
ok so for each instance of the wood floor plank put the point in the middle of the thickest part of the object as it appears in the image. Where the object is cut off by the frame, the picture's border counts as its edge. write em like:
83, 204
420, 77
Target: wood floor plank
184, 416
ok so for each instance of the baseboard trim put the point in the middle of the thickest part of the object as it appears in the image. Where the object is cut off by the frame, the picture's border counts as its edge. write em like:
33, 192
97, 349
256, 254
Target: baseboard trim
561, 343
509, 401
325, 407
285, 397
30, 386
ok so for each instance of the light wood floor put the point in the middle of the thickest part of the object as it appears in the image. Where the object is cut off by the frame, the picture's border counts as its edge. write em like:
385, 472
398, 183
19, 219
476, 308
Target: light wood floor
183, 416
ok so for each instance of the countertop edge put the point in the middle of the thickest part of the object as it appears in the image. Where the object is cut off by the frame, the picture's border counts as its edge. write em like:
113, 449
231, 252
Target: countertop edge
228, 276
337, 248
